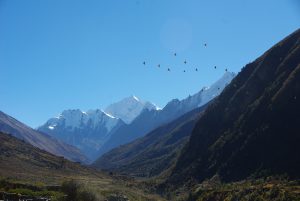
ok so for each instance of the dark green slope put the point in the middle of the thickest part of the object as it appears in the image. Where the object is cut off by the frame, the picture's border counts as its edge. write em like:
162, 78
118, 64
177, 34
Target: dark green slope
153, 153
253, 127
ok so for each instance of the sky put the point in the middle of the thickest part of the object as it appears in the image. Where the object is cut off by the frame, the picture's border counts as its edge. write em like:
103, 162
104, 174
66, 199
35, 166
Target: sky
87, 54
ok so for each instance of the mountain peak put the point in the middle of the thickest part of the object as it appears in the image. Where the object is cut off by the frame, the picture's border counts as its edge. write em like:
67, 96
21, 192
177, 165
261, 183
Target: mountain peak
205, 95
129, 108
135, 98
85, 130
71, 112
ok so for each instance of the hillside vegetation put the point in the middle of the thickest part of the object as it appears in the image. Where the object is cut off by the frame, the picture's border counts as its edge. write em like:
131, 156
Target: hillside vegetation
31, 171
252, 129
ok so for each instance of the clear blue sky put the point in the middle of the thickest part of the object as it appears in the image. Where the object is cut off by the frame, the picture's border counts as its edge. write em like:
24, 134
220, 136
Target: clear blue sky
65, 54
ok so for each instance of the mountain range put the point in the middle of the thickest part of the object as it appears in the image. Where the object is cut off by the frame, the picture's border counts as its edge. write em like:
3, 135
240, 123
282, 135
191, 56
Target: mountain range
90, 130
97, 131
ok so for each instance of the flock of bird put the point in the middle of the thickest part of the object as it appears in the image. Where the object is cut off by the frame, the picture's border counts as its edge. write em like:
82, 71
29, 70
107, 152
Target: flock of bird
185, 62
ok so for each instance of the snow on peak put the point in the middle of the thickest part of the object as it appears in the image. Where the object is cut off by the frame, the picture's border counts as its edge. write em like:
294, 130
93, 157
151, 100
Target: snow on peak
109, 115
135, 98
205, 95
51, 127
208, 93
129, 108
72, 119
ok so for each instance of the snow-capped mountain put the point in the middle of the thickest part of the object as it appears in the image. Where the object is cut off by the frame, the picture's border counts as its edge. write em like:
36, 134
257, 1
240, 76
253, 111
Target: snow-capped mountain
205, 95
96, 131
129, 108
76, 119
88, 131
151, 119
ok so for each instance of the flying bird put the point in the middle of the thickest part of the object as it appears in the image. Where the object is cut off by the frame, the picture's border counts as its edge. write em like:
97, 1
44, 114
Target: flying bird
184, 62
196, 69
184, 71
169, 69
205, 44
215, 67
226, 69
175, 54
158, 65
144, 63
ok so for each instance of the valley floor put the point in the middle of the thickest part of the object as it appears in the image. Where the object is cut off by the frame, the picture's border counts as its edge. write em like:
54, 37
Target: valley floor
101, 187
83, 188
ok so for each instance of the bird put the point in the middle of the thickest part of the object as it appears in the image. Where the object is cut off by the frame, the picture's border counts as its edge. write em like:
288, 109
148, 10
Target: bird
218, 88
205, 44
215, 67
169, 69
158, 65
184, 62
144, 63
196, 69
175, 54
184, 71
226, 69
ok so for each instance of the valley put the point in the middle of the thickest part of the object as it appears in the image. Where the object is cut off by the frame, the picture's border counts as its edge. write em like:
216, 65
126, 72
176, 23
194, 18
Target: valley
215, 114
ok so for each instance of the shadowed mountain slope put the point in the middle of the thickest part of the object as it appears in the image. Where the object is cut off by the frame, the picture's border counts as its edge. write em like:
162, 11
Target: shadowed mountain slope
21, 160
153, 153
252, 128
21, 131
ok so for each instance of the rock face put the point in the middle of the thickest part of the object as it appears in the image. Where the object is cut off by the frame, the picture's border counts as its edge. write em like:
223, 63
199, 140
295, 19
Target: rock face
151, 119
87, 131
129, 108
45, 142
252, 128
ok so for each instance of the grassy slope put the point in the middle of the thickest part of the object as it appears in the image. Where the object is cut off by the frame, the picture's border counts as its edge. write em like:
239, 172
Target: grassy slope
25, 164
